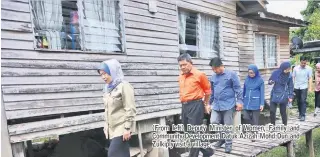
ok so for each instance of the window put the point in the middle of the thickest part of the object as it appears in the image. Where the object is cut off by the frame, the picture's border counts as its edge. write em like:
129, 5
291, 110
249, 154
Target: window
198, 34
265, 51
88, 25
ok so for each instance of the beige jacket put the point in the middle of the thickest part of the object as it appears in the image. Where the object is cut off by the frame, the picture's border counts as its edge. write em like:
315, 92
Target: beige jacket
120, 110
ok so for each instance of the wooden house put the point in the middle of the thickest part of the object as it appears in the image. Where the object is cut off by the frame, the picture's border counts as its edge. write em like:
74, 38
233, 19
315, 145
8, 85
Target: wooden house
50, 85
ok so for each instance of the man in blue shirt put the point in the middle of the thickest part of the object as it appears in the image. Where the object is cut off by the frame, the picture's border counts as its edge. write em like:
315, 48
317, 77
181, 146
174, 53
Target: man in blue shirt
302, 78
225, 99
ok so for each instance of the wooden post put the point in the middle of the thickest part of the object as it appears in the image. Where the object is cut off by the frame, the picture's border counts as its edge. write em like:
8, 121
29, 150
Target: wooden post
18, 149
5, 139
290, 149
310, 143
30, 148
140, 141
307, 140
163, 152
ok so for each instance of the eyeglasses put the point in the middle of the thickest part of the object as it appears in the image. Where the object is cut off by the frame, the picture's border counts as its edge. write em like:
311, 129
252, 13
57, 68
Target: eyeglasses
250, 72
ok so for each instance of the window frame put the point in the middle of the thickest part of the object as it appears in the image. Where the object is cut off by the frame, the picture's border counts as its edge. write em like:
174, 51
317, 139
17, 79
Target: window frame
265, 60
121, 32
199, 13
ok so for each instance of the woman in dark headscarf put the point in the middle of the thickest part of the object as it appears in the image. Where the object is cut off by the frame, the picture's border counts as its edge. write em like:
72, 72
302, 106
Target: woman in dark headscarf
120, 109
282, 91
253, 93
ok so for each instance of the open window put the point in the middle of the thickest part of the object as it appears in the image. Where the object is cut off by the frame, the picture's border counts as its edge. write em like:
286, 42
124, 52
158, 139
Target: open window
87, 25
199, 34
265, 50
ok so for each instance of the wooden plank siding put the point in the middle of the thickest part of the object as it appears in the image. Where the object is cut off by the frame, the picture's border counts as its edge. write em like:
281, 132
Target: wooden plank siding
246, 29
38, 83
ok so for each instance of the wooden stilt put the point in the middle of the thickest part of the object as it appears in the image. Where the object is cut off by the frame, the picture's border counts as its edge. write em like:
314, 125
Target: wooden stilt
18, 149
163, 152
290, 149
5, 139
30, 149
310, 143
140, 141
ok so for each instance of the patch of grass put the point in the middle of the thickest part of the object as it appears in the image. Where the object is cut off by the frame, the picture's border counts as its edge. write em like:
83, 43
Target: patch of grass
301, 147
44, 139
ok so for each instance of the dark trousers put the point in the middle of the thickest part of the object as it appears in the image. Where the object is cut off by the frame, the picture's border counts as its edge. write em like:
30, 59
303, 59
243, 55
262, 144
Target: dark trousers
225, 118
283, 112
251, 116
317, 99
118, 148
192, 113
301, 97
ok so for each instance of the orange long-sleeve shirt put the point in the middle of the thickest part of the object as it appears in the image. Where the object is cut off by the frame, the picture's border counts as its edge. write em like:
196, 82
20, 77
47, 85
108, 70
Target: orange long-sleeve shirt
194, 85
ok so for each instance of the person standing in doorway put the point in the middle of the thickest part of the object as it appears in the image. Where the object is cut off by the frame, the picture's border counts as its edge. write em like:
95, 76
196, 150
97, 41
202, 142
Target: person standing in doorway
282, 91
225, 99
317, 90
194, 93
302, 77
253, 93
120, 108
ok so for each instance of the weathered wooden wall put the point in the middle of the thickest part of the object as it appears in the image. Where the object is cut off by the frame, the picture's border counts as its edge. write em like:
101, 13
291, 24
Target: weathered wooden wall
41, 83
246, 29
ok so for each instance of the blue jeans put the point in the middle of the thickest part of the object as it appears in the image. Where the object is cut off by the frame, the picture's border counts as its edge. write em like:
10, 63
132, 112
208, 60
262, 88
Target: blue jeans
301, 97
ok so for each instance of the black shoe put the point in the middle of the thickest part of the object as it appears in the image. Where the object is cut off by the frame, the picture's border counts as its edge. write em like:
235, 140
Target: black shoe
253, 140
208, 152
299, 117
303, 118
219, 143
228, 148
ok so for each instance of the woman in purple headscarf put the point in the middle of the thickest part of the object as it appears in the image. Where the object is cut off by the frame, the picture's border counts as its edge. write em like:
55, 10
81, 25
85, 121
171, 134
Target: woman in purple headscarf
282, 91
120, 108
317, 89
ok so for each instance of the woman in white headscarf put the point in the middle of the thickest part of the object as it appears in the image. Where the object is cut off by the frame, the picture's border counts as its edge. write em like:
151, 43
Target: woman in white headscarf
120, 108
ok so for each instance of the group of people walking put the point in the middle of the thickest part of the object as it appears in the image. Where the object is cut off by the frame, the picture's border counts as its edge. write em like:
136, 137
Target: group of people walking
219, 97
227, 96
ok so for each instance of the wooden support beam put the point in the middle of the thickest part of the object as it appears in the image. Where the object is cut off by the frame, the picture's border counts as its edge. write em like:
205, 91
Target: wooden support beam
18, 149
310, 143
30, 149
290, 149
262, 4
241, 6
251, 9
5, 142
163, 152
140, 141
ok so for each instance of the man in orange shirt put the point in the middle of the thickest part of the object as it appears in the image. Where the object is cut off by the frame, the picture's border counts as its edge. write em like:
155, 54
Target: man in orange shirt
194, 86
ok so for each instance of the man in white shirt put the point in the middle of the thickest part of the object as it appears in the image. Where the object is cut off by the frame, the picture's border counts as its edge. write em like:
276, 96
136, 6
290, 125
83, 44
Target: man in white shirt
302, 77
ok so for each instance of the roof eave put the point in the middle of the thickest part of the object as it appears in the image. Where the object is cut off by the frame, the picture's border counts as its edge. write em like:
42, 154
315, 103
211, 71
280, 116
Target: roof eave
292, 22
